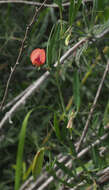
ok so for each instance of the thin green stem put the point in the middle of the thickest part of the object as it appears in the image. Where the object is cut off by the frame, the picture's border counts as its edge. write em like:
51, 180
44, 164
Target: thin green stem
59, 88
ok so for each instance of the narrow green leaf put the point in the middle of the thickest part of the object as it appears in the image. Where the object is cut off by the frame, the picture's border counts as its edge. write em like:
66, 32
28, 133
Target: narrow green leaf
65, 169
67, 40
53, 173
53, 44
59, 3
49, 46
94, 10
95, 185
78, 4
27, 173
80, 52
19, 161
73, 9
100, 5
76, 90
106, 115
38, 162
97, 160
56, 126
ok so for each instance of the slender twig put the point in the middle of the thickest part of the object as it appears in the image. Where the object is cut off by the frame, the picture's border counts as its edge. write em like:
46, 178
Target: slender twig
85, 150
54, 5
21, 102
13, 101
93, 107
20, 52
102, 34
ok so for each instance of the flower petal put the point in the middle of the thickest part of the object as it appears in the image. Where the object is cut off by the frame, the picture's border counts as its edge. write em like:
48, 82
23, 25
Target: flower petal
38, 57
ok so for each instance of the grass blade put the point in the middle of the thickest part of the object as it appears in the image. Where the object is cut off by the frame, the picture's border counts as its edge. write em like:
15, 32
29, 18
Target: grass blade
76, 90
73, 9
56, 127
19, 161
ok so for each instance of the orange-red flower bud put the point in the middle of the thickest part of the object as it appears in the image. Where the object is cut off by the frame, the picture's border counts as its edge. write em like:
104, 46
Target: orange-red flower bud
38, 57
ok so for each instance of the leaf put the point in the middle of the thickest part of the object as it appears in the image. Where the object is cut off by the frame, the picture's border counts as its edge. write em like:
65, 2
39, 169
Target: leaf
88, 73
59, 3
100, 5
73, 9
67, 40
80, 52
61, 180
53, 44
97, 160
65, 169
38, 162
27, 173
19, 162
70, 121
76, 90
94, 185
106, 115
106, 13
56, 126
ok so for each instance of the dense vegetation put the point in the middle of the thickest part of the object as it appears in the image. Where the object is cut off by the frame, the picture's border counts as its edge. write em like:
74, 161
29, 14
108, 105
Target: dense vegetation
70, 107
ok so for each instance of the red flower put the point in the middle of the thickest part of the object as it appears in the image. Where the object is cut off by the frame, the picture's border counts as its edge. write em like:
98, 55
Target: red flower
38, 57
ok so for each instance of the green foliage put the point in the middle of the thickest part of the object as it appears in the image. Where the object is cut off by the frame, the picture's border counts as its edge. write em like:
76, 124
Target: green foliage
73, 10
63, 102
76, 90
56, 127
53, 44
19, 162
38, 163
59, 3
106, 115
